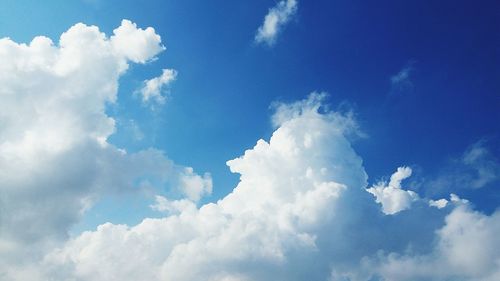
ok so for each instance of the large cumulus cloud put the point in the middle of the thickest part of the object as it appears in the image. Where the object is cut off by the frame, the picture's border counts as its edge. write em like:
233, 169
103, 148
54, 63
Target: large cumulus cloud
301, 210
55, 161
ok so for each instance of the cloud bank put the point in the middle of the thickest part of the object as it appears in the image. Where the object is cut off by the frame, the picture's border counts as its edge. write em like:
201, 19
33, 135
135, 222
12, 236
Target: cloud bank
301, 210
55, 160
275, 20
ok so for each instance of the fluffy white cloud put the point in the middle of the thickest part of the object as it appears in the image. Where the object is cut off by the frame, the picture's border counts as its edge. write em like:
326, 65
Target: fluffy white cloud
55, 161
466, 249
274, 21
135, 44
299, 212
391, 196
289, 188
153, 88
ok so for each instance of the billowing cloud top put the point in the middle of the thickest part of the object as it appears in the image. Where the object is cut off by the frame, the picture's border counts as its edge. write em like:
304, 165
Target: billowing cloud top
301, 210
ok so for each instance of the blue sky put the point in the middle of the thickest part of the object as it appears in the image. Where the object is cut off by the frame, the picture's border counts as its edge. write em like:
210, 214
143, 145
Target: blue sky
420, 79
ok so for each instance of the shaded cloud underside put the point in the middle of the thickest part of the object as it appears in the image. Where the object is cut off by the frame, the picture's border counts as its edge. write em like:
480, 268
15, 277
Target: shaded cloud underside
301, 210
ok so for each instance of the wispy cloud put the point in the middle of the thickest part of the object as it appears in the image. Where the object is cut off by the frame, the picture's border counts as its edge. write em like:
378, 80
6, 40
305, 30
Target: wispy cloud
401, 81
274, 21
476, 168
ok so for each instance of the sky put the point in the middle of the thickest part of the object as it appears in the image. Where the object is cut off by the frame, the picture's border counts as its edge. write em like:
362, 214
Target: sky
249, 140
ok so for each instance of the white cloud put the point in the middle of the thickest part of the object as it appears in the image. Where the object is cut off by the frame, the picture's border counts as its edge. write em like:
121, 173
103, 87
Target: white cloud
275, 20
288, 189
467, 249
299, 212
193, 185
135, 44
441, 203
153, 88
55, 161
391, 196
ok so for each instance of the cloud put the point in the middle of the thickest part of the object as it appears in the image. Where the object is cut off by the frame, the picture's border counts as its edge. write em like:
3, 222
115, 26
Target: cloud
55, 160
466, 249
401, 81
288, 188
135, 44
152, 89
300, 211
391, 196
275, 20
476, 168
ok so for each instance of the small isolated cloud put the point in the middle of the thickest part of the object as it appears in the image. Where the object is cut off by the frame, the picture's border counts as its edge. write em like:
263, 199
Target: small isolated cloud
391, 196
153, 88
275, 20
401, 81
476, 168
136, 44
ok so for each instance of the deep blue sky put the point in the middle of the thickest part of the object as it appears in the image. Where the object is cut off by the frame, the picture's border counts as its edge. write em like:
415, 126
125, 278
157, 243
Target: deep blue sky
220, 104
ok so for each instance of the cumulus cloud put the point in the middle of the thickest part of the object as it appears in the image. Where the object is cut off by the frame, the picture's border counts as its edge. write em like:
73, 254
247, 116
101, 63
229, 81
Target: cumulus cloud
275, 20
135, 44
391, 196
466, 249
300, 211
55, 160
152, 89
288, 189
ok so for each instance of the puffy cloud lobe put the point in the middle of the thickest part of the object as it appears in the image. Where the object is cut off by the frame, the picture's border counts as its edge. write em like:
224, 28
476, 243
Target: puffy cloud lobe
391, 196
135, 44
274, 21
55, 161
153, 88
194, 186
